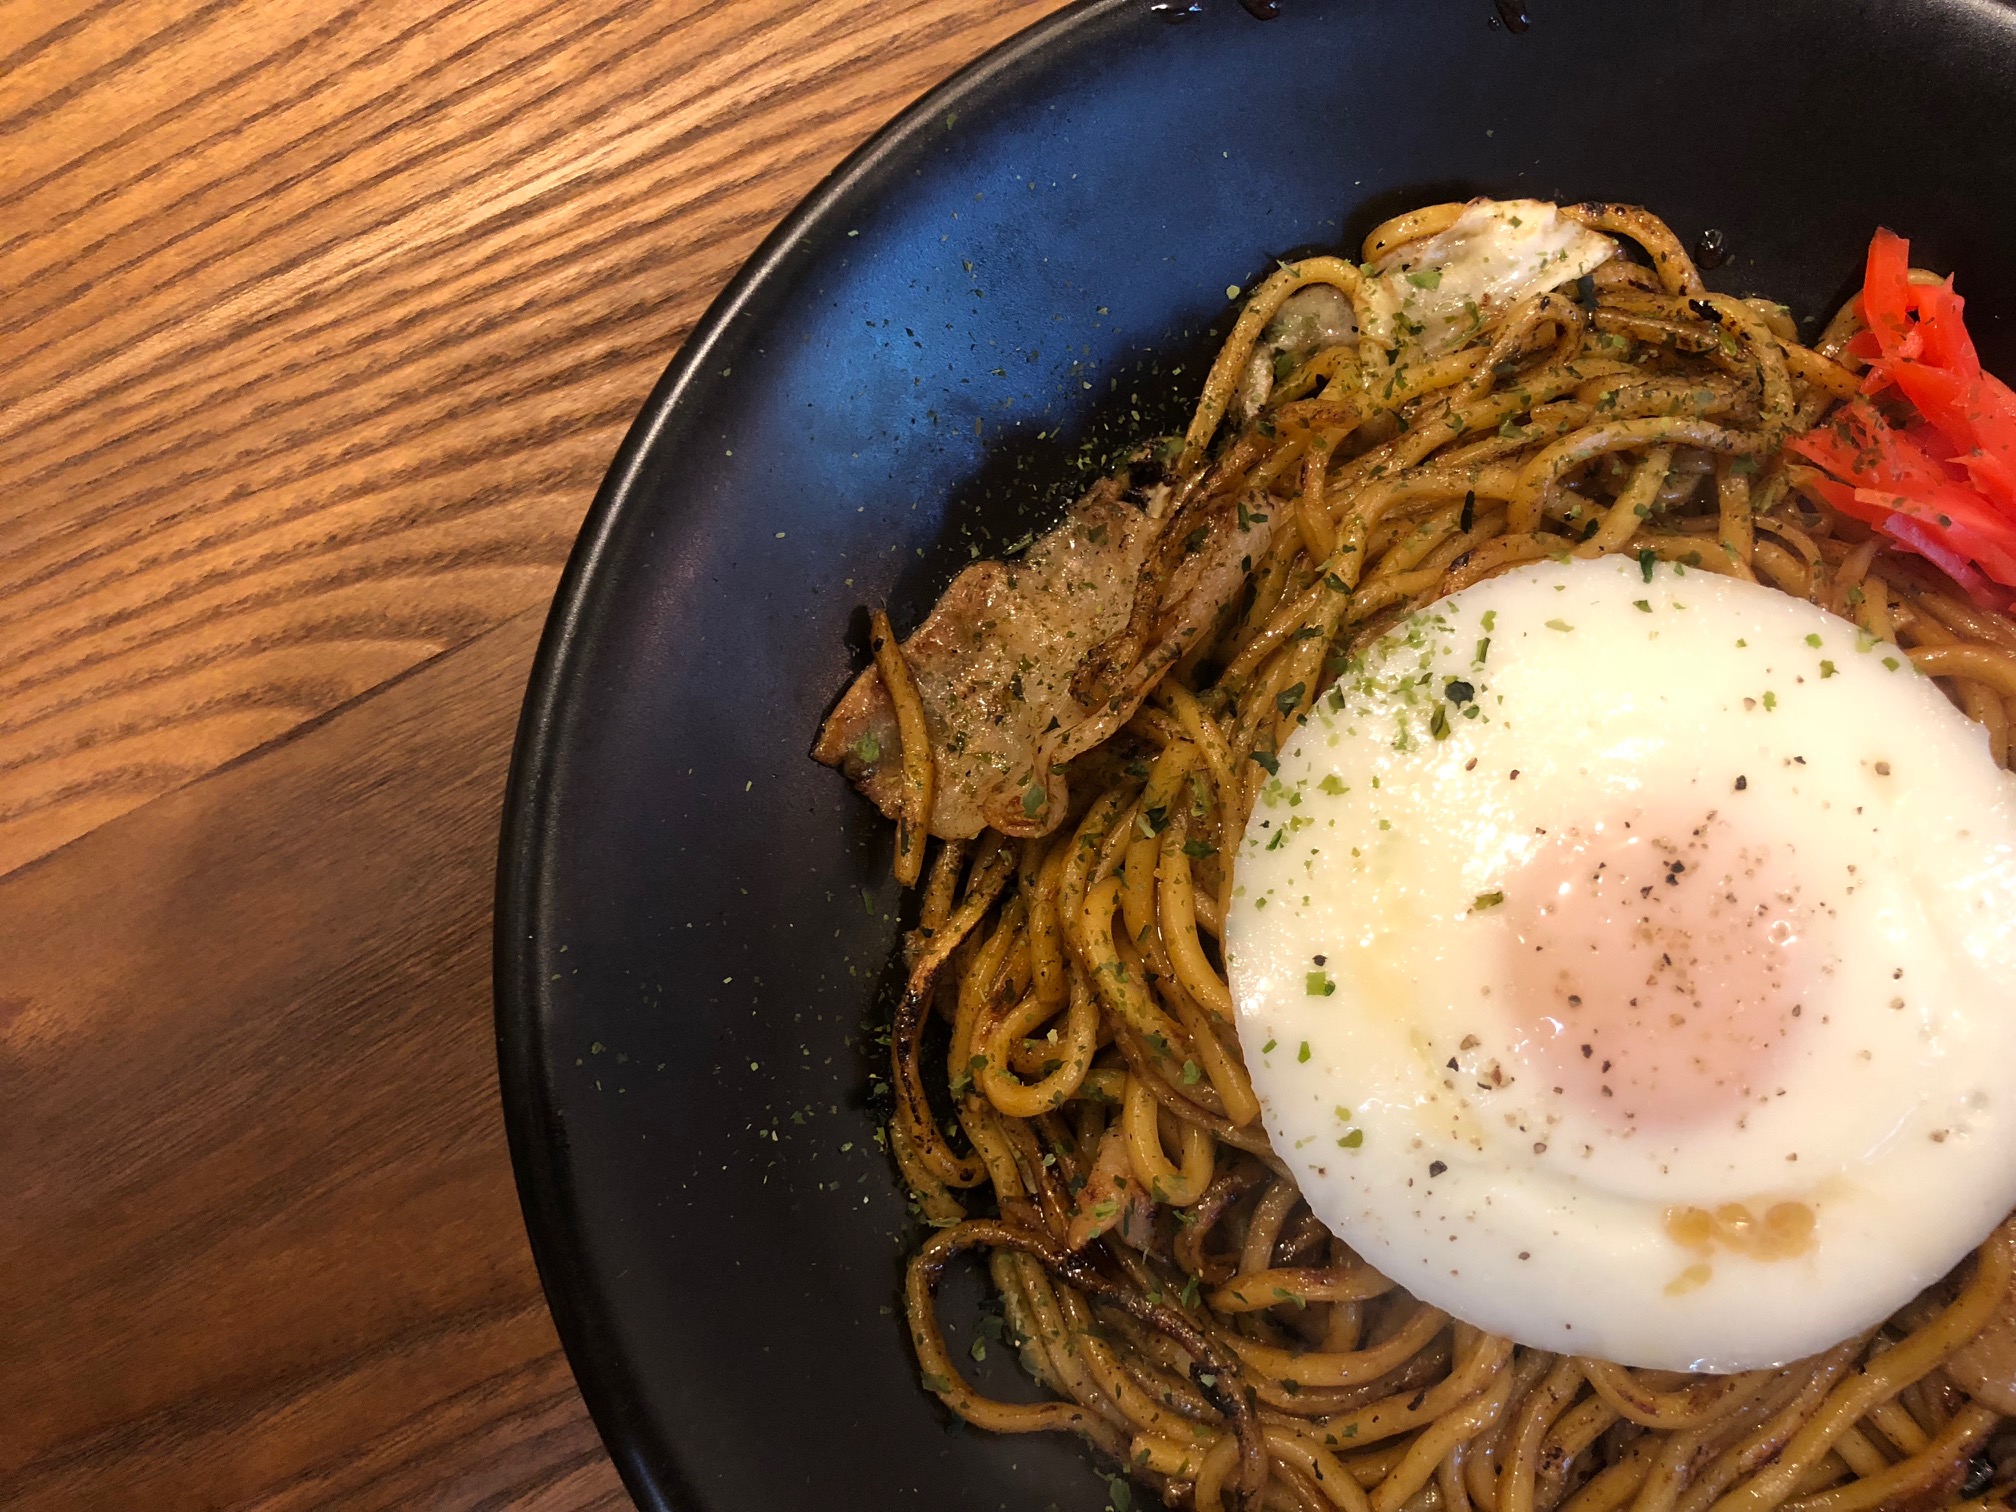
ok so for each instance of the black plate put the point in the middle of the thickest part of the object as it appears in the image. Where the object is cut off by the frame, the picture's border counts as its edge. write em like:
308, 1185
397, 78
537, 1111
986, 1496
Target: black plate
926, 360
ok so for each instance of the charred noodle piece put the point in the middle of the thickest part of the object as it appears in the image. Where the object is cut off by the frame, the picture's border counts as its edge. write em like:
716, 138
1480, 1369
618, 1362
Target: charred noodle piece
1227, 1188
1214, 1372
913, 807
913, 1102
1546, 470
1524, 320
1670, 262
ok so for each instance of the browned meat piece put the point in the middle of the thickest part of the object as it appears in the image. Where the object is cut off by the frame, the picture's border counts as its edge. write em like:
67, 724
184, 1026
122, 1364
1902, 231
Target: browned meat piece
993, 664
995, 659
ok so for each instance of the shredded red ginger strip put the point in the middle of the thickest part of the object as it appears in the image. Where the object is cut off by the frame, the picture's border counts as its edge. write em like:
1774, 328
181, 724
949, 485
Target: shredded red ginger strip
1943, 483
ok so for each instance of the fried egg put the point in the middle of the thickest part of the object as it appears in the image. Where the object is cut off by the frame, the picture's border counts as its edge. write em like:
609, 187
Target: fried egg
1622, 955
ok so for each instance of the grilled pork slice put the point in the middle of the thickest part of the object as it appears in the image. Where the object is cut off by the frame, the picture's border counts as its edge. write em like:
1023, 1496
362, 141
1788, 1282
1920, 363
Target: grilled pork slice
995, 660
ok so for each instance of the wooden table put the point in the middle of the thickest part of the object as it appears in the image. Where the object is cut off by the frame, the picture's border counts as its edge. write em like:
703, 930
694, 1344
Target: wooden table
318, 324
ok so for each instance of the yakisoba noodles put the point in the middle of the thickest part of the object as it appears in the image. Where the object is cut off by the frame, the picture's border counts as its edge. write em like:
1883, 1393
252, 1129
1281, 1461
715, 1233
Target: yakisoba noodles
1081, 1114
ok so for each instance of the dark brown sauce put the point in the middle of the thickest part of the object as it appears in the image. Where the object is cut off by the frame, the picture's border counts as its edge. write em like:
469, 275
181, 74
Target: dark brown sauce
1711, 250
1513, 14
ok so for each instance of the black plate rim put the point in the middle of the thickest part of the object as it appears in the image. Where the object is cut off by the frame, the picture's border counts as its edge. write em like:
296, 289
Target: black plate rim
532, 1126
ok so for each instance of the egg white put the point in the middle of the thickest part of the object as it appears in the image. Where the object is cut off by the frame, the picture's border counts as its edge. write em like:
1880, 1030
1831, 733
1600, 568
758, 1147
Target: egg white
1397, 1082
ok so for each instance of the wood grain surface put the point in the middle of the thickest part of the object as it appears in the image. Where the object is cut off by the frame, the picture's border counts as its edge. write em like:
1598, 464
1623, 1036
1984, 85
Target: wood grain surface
318, 324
